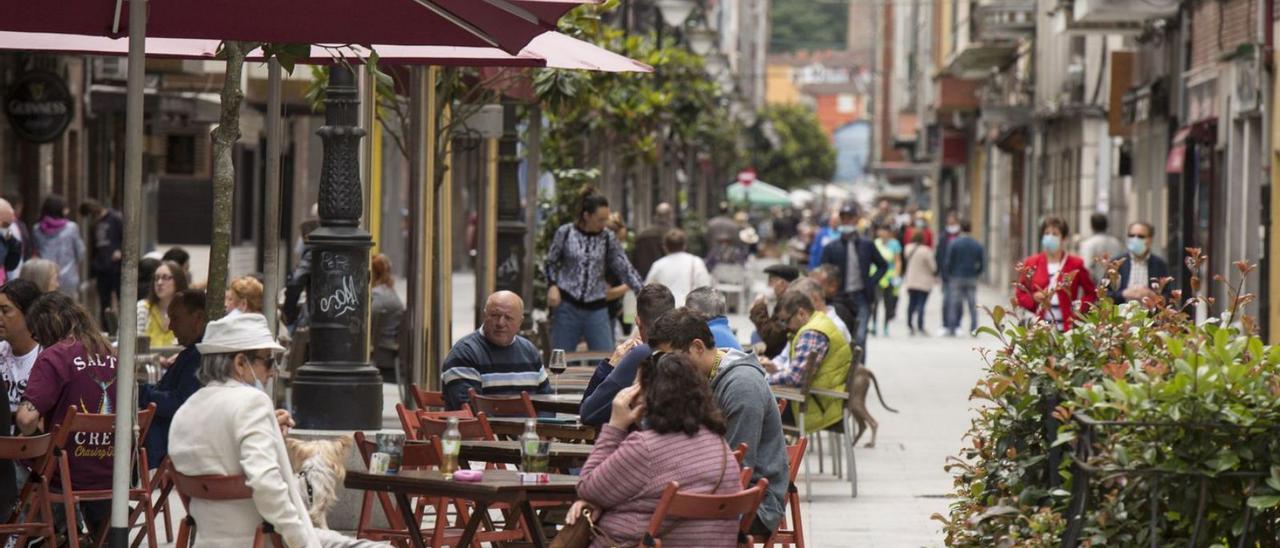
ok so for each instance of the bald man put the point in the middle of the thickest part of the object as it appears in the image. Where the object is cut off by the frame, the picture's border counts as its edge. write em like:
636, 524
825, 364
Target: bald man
10, 247
649, 242
494, 359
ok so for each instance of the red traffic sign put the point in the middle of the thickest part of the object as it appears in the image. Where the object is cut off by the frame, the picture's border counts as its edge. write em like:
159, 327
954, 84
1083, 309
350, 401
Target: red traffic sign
746, 177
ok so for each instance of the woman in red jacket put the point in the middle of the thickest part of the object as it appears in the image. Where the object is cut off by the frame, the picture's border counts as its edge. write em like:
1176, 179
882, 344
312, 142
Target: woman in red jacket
1055, 268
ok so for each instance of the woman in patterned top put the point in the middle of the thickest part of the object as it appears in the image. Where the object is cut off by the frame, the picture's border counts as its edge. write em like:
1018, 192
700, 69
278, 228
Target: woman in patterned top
580, 257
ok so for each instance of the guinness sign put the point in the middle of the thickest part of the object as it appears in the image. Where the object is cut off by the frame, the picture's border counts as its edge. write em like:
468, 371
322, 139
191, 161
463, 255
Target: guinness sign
39, 106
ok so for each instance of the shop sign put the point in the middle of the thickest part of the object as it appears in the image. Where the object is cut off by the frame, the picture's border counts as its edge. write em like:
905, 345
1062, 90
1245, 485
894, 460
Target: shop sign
39, 106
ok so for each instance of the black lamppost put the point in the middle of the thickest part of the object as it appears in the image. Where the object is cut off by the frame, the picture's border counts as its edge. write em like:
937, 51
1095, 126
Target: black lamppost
338, 389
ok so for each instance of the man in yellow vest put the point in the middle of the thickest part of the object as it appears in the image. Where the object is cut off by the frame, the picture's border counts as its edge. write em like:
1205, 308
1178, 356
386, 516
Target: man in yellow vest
813, 333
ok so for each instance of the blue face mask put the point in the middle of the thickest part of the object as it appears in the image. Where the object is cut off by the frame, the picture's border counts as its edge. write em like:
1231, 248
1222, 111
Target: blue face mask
1138, 246
1050, 243
847, 229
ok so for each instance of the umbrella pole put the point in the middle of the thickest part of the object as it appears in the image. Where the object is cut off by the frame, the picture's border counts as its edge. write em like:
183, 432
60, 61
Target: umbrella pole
271, 280
125, 404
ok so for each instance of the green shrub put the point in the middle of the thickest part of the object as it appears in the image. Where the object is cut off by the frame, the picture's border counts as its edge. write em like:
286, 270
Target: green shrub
1206, 398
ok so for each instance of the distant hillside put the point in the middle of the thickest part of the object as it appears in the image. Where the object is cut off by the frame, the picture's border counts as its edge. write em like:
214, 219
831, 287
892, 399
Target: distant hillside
807, 25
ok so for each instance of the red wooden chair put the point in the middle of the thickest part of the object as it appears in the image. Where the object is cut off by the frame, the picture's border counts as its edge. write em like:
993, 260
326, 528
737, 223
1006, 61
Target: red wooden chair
503, 406
408, 421
427, 399
472, 428
740, 506
32, 515
740, 453
216, 488
795, 535
782, 407
76, 422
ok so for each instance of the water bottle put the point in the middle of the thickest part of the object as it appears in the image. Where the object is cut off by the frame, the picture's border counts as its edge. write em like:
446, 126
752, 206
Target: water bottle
533, 451
451, 445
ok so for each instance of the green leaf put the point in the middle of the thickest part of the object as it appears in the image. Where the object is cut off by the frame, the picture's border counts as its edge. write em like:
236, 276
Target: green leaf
1264, 502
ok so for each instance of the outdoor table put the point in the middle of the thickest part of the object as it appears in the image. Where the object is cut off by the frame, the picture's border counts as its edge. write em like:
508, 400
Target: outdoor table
563, 455
557, 403
498, 486
561, 429
797, 397
588, 358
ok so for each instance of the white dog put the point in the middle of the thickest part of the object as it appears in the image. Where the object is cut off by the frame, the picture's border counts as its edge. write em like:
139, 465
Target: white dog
320, 466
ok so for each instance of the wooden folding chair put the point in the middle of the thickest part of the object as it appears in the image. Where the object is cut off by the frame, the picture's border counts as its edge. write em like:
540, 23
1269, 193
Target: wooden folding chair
216, 488
782, 406
426, 399
795, 535
740, 506
408, 421
32, 515
89, 423
163, 483
503, 406
432, 423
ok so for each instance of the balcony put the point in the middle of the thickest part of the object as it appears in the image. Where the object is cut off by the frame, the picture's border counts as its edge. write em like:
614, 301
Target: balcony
1122, 13
1005, 19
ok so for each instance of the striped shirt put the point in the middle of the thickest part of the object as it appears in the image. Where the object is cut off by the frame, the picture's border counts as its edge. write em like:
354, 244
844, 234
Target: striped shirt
626, 474
474, 362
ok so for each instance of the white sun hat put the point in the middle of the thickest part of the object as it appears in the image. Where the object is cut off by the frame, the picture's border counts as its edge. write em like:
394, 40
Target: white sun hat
238, 333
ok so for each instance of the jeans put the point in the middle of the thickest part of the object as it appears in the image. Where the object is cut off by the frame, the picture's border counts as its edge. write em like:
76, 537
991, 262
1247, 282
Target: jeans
916, 298
960, 292
573, 323
854, 309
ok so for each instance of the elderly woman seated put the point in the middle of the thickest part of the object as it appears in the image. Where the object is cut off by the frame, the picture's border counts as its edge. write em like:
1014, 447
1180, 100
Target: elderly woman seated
230, 428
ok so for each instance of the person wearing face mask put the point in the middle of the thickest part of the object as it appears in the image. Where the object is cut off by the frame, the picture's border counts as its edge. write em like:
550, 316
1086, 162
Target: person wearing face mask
1055, 284
919, 225
1141, 268
861, 268
580, 256
231, 428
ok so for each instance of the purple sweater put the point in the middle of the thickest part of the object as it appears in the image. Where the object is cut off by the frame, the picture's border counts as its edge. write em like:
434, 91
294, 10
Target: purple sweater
626, 474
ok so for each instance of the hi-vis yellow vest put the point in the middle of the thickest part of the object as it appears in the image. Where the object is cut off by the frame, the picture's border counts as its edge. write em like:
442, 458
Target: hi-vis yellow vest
823, 412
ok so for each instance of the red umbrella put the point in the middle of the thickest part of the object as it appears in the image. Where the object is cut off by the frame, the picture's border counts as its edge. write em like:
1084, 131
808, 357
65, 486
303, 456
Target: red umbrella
506, 24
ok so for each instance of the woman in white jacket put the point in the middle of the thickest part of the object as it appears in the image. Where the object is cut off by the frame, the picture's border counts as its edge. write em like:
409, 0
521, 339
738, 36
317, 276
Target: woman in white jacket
230, 428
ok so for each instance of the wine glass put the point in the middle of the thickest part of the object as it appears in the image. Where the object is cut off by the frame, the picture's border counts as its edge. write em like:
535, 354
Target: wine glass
557, 366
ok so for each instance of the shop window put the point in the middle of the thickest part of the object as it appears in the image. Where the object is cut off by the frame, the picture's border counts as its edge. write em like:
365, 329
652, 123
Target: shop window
180, 155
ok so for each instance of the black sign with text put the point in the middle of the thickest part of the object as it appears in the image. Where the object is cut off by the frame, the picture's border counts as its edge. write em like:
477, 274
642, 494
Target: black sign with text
39, 106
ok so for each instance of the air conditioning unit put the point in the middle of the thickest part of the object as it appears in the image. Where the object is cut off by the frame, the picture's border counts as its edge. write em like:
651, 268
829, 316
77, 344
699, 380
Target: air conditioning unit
111, 69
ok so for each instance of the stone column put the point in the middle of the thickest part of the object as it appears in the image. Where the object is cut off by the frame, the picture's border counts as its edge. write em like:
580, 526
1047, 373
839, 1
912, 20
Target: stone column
337, 388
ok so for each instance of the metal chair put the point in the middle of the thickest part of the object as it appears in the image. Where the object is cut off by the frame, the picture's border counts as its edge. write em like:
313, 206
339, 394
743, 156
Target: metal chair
731, 279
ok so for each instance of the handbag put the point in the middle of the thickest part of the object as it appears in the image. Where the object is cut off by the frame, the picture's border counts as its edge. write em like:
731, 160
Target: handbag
583, 531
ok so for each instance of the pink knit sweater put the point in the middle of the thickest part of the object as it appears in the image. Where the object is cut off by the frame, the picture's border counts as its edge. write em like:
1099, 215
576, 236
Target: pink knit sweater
626, 474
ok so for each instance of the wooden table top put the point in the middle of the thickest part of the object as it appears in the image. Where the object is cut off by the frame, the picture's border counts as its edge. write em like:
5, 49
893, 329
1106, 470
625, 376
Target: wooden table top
571, 430
563, 455
557, 403
497, 485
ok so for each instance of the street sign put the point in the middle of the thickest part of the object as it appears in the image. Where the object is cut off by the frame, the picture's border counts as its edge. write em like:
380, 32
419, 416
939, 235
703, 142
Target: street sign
746, 177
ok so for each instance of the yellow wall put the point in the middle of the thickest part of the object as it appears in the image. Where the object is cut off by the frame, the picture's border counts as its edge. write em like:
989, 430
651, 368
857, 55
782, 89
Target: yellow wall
779, 85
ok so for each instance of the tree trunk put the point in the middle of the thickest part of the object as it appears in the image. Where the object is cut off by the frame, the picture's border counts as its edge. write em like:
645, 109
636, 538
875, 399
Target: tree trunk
225, 137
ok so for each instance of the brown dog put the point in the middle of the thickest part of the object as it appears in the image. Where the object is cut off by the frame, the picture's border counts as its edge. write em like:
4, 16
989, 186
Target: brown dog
320, 467
859, 381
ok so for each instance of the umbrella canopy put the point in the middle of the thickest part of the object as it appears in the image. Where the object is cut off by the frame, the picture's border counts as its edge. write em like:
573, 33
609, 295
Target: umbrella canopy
506, 24
550, 49
759, 194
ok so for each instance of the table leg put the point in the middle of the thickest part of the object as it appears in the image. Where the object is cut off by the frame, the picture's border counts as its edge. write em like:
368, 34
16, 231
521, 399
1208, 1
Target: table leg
411, 521
534, 524
479, 512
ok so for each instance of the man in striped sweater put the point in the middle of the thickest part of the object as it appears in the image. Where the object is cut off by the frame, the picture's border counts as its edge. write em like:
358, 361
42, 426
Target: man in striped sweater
494, 359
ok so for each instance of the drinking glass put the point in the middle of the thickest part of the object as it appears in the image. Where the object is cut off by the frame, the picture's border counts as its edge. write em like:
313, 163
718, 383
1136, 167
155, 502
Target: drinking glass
393, 445
535, 456
557, 366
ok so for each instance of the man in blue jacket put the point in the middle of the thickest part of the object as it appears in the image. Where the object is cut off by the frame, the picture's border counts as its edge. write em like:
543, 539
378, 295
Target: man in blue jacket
861, 266
711, 303
619, 371
962, 263
186, 319
1141, 268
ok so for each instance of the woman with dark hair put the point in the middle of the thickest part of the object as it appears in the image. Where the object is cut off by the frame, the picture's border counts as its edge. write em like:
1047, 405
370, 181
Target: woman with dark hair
680, 440
579, 259
385, 316
18, 352
77, 368
58, 239
153, 311
1054, 284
